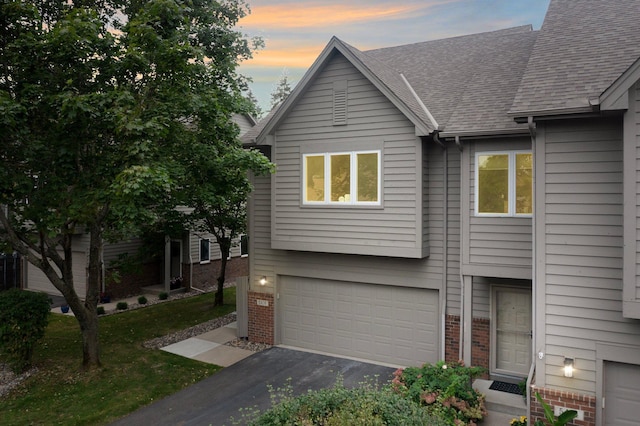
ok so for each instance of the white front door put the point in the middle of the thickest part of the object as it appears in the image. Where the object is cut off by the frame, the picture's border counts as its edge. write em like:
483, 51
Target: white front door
511, 331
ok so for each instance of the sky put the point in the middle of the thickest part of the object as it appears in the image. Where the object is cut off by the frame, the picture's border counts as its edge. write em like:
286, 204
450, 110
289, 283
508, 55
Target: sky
296, 31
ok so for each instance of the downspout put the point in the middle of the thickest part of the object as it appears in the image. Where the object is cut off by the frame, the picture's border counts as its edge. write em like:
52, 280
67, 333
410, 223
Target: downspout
445, 243
462, 301
532, 369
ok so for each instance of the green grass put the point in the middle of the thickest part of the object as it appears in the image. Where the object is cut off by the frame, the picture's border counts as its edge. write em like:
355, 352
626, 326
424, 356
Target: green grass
131, 376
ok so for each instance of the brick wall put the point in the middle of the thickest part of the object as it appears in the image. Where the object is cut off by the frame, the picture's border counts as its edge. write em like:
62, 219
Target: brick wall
207, 273
261, 318
452, 338
480, 344
131, 283
569, 400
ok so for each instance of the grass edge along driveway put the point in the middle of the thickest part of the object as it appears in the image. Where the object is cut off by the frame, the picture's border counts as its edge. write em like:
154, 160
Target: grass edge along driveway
131, 377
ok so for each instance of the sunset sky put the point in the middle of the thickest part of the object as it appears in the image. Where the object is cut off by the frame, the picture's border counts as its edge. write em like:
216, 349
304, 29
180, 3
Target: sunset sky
296, 31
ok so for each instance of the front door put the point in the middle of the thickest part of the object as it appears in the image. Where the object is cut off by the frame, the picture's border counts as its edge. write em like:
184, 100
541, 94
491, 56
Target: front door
511, 331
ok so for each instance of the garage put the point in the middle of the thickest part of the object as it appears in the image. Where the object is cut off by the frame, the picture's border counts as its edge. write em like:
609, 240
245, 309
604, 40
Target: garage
389, 324
621, 393
36, 279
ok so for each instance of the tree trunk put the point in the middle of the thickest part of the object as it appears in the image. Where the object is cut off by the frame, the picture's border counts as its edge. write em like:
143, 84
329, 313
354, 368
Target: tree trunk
225, 248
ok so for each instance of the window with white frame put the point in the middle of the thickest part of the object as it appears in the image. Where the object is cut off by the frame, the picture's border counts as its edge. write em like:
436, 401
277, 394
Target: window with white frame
504, 183
205, 250
351, 178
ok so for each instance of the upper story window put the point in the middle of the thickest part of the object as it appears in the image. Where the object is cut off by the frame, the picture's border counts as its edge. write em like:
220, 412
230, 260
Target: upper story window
205, 250
504, 183
351, 178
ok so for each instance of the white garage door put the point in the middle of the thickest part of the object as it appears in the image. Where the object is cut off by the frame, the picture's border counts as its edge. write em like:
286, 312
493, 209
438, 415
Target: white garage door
396, 325
36, 279
622, 394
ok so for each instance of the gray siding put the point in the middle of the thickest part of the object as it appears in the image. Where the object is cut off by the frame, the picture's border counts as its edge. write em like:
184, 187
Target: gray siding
631, 293
112, 251
193, 254
496, 245
394, 229
579, 229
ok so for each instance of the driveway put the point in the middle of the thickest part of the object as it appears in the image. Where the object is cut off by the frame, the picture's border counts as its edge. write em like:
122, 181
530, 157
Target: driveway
214, 400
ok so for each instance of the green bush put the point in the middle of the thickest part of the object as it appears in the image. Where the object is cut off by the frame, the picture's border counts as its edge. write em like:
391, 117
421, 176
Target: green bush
101, 310
24, 316
444, 389
121, 306
142, 300
365, 405
163, 296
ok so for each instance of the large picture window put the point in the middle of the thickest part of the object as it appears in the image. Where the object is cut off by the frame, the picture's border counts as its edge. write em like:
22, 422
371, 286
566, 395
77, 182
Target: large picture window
342, 178
504, 183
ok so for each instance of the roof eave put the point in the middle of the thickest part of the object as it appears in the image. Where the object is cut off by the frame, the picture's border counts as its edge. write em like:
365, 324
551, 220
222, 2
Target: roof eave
523, 116
467, 134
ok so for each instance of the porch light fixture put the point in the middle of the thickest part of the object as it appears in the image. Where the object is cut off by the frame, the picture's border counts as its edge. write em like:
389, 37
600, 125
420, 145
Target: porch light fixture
263, 280
568, 367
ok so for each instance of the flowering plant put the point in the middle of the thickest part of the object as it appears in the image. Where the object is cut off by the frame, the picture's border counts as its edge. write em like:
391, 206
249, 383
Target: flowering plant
519, 421
444, 389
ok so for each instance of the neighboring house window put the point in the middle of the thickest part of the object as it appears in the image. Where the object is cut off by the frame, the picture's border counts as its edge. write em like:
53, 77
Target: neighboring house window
205, 250
353, 178
504, 183
244, 246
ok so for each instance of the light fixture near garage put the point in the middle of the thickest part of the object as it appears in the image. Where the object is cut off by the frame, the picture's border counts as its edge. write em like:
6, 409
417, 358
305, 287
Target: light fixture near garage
568, 367
263, 280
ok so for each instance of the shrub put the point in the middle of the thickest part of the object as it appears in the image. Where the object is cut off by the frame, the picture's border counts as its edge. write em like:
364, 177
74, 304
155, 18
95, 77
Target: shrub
121, 306
24, 316
101, 310
163, 296
142, 300
444, 389
366, 405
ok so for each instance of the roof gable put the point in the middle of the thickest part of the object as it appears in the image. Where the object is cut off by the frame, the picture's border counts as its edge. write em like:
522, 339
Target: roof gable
389, 82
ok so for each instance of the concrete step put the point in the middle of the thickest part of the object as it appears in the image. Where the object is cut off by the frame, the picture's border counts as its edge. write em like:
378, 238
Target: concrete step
501, 402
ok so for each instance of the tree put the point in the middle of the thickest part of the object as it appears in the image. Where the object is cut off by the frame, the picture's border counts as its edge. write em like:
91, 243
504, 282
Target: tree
218, 191
258, 112
281, 90
99, 99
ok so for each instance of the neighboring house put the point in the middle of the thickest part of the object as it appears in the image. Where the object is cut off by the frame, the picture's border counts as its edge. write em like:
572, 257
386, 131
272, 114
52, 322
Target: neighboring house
191, 259
464, 198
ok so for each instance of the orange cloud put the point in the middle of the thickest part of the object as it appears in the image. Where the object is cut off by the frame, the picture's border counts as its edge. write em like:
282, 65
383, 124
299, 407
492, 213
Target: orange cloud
284, 54
314, 15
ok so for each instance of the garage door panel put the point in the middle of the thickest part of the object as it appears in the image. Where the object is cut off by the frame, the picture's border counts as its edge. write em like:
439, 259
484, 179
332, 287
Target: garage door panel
36, 279
390, 324
622, 394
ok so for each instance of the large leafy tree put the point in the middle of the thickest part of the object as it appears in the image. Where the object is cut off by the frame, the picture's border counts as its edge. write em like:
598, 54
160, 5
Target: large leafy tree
101, 102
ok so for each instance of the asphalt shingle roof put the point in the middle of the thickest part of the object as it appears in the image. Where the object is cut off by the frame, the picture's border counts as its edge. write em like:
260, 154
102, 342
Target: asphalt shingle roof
466, 82
583, 47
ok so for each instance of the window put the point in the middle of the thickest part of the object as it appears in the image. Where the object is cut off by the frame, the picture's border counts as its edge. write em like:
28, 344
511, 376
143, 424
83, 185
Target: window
205, 250
504, 183
354, 178
244, 246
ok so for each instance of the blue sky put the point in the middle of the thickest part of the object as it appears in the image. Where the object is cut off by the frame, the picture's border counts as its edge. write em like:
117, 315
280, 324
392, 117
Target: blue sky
296, 31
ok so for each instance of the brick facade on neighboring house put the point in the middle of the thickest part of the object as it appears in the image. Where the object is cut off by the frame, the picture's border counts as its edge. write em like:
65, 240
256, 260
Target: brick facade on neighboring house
572, 401
261, 318
153, 274
452, 339
207, 273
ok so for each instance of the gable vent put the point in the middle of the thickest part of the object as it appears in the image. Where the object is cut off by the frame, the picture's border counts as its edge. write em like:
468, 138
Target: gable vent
340, 103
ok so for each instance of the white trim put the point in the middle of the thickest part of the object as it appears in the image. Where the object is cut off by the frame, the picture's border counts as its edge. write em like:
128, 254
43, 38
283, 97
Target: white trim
353, 183
511, 171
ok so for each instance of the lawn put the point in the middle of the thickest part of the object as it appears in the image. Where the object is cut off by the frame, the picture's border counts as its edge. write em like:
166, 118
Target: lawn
131, 376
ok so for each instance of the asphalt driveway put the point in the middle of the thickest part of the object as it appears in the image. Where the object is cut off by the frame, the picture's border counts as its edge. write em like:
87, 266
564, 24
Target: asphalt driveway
215, 400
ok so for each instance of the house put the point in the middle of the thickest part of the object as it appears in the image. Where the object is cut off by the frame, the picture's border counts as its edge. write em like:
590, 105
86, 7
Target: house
468, 198
190, 259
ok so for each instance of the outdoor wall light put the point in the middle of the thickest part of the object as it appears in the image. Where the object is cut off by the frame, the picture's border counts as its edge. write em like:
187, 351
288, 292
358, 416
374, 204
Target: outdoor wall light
263, 280
568, 367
